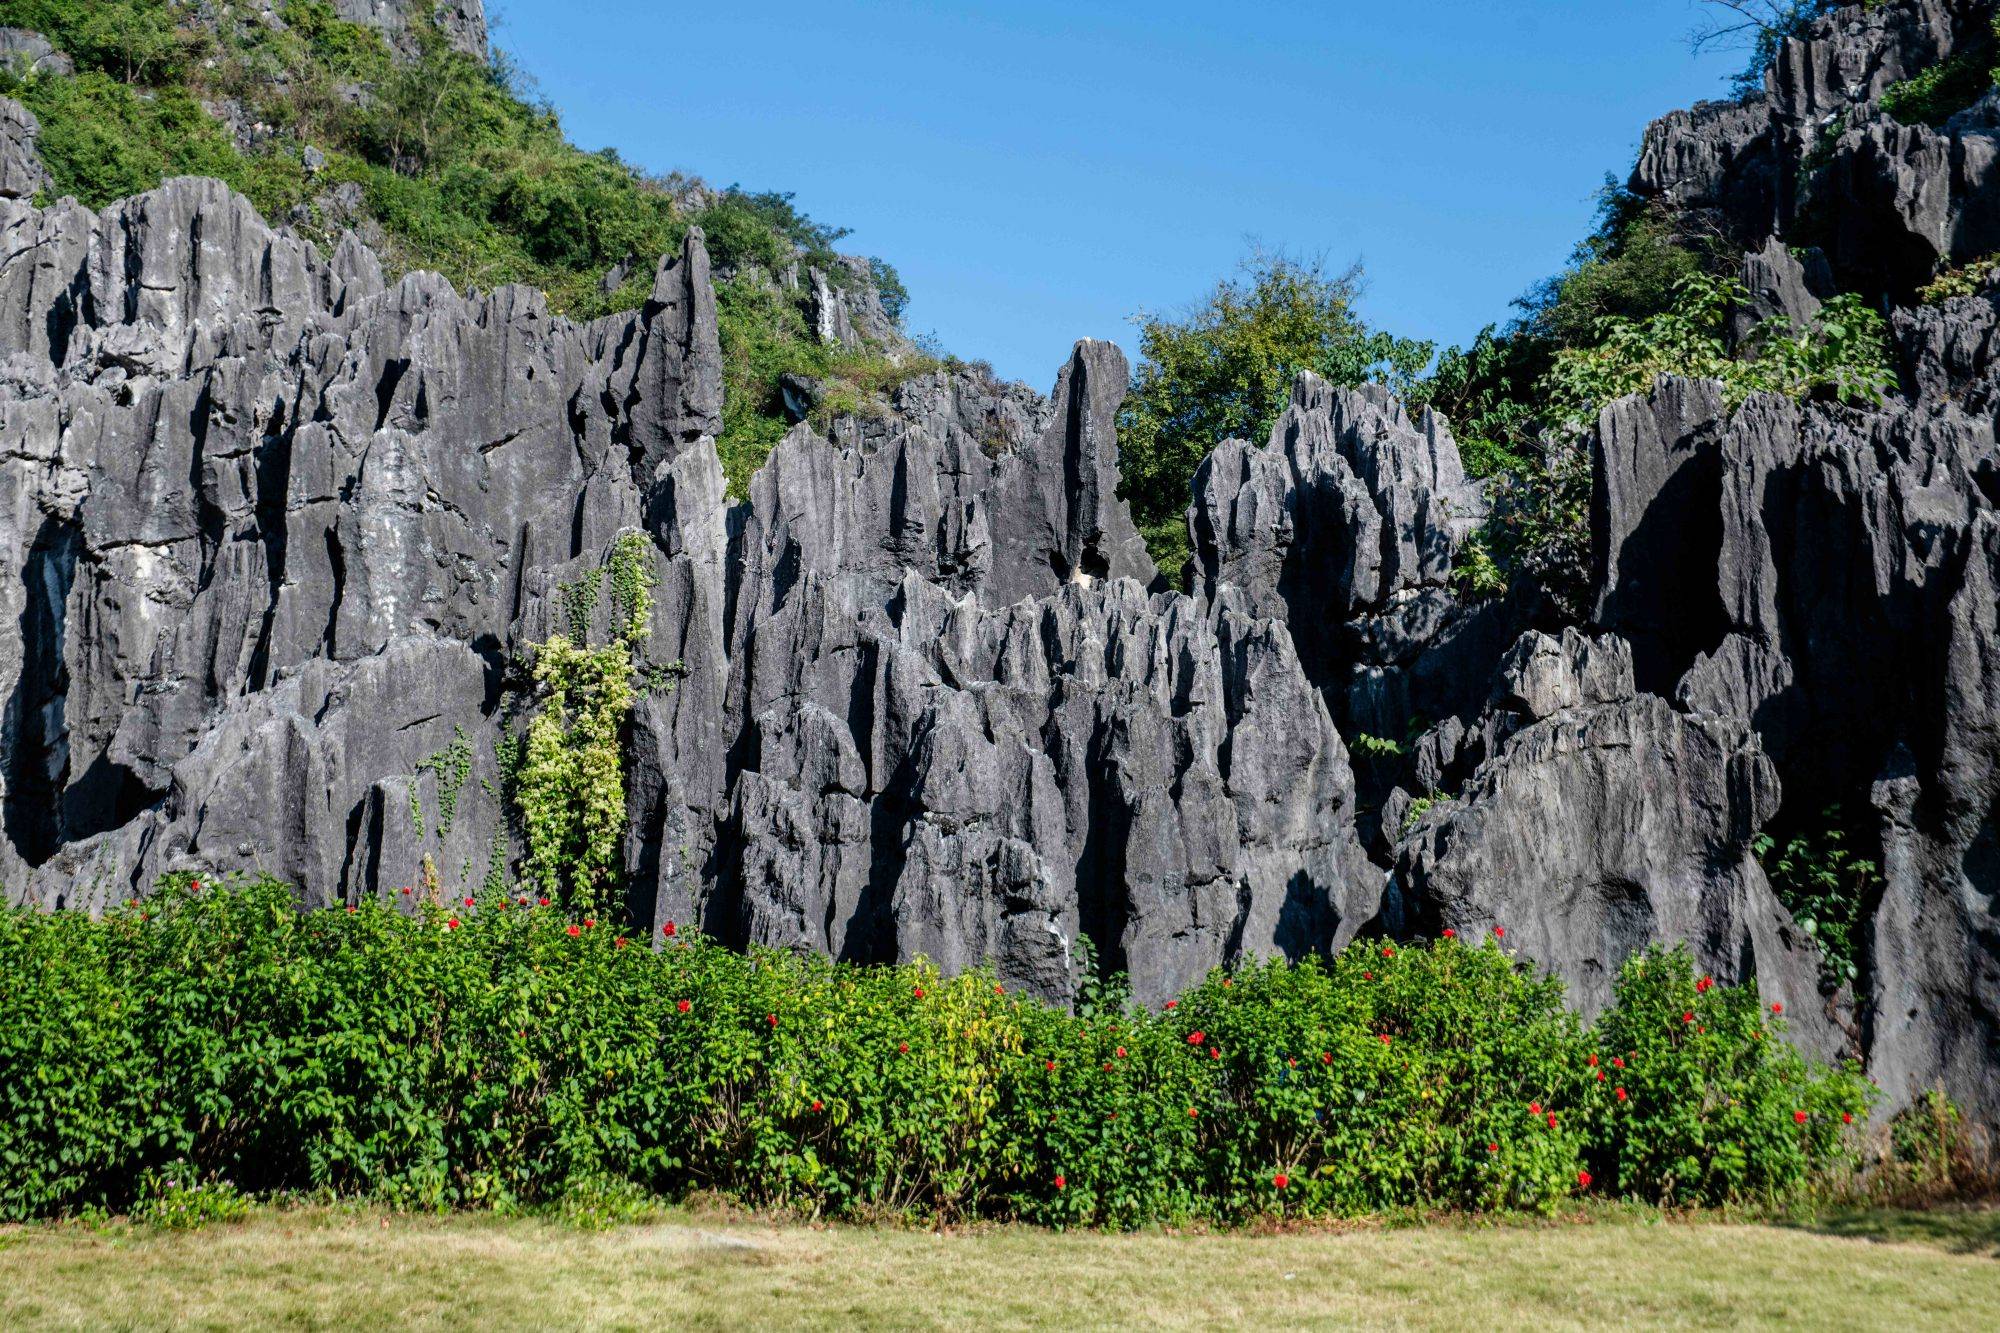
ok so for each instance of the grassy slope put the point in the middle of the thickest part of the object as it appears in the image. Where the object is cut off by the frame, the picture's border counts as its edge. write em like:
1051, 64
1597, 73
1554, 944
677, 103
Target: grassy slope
323, 1268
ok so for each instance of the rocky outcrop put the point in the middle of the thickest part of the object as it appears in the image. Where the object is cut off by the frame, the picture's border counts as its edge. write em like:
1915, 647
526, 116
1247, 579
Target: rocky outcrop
22, 175
1671, 801
24, 52
462, 22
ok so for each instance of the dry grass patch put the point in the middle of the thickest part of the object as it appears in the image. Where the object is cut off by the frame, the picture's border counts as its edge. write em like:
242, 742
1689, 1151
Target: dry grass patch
329, 1268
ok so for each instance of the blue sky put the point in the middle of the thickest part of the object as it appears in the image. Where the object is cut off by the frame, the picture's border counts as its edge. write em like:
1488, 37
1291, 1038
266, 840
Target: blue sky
1039, 171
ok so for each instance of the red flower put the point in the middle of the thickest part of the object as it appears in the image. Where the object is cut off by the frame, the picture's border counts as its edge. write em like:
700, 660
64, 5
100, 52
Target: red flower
1121, 1052
1192, 1112
573, 931
1591, 1061
406, 893
1620, 1093
468, 900
1384, 1036
1368, 976
503, 904
590, 923
1799, 1116
772, 1019
1061, 1183
1107, 1066
1388, 952
1617, 1062
1225, 983
1493, 1147
818, 1105
1701, 987
1534, 1108
1600, 1076
1583, 1180
918, 993
522, 900
1552, 1120
1291, 1062
668, 930
1172, 1003
540, 902
1500, 932
1326, 1057
1688, 1017
1051, 1066
1450, 934
684, 1005
1214, 1054
618, 943
1281, 1180
352, 909
999, 990
451, 924
903, 1048
1778, 1007
1196, 1038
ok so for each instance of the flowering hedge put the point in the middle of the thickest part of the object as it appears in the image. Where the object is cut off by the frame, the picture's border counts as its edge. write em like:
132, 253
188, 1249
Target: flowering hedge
500, 1053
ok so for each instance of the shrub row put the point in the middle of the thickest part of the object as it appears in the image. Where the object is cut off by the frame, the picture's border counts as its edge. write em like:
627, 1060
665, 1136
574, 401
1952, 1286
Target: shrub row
499, 1053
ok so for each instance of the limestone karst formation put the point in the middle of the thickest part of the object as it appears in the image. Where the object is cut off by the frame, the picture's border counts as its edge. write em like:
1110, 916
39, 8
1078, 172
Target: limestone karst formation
275, 532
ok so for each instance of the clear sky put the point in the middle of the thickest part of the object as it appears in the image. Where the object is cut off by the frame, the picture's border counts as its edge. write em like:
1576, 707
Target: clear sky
1040, 170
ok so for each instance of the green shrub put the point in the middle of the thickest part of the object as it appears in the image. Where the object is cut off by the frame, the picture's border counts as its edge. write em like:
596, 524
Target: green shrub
1715, 1105
174, 1197
496, 1053
1935, 95
1826, 885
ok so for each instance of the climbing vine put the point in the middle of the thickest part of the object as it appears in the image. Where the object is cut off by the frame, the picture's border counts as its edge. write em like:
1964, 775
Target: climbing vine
451, 766
567, 773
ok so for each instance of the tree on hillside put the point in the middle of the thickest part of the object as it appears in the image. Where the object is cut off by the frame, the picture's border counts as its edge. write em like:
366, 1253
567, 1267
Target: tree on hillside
1224, 368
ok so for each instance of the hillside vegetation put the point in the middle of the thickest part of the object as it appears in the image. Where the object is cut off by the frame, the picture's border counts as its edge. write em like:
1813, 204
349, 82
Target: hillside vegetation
444, 163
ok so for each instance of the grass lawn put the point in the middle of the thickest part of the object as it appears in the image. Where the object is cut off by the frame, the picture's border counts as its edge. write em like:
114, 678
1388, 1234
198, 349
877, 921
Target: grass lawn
334, 1268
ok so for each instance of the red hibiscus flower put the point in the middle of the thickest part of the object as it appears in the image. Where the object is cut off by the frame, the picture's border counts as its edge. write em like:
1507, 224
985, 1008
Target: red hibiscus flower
1388, 952
573, 931
1619, 1093
1617, 1062
903, 1048
684, 1005
618, 943
1591, 1061
1214, 1054
1121, 1052
668, 930
1450, 934
539, 902
1493, 1147
1552, 1120
1534, 1108
1172, 1004
451, 924
1192, 1112
1688, 1017
468, 900
999, 990
818, 1105
1778, 1007
917, 994
1197, 1038
1326, 1057
1051, 1066
590, 923
772, 1019
1368, 976
1500, 932
1600, 1076
1281, 1180
1799, 1116
1583, 1180
1384, 1036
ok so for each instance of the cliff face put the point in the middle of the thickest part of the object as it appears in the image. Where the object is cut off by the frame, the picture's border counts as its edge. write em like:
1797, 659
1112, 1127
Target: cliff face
274, 536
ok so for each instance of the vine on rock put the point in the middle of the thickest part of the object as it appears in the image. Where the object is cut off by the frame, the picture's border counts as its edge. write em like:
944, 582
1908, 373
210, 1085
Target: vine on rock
569, 778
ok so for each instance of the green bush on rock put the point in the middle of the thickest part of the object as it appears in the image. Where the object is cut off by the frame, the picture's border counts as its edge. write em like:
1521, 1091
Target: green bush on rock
497, 1053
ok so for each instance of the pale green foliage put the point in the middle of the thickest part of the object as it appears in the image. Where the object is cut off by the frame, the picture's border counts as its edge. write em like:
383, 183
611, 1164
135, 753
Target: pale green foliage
568, 776
1969, 280
1844, 355
450, 766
